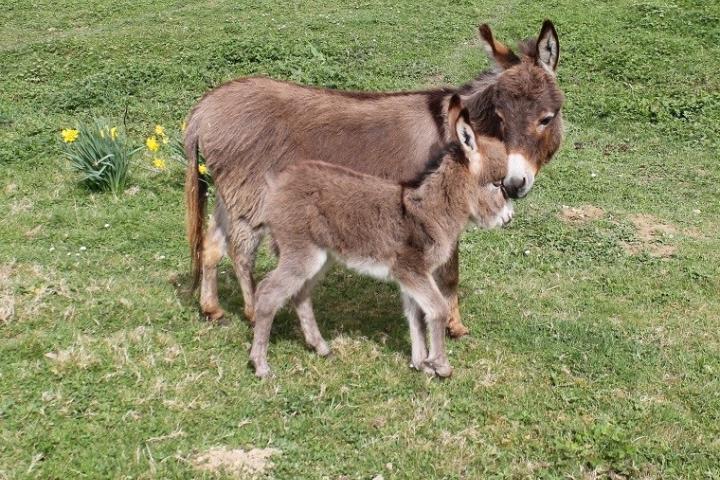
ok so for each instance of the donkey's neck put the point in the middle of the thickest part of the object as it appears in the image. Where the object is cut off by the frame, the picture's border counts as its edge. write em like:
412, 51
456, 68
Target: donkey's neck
478, 96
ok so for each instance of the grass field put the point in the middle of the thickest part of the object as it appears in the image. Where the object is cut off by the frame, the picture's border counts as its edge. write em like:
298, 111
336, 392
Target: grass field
595, 318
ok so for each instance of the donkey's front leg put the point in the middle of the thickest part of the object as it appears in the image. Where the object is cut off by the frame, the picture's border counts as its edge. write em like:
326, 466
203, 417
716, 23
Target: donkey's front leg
447, 277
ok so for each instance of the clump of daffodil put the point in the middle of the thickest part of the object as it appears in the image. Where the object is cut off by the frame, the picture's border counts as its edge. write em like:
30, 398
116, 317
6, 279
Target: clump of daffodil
69, 135
152, 144
99, 154
159, 163
165, 148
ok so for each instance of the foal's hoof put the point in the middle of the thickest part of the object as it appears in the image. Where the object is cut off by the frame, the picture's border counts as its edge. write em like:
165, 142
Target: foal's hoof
263, 372
323, 350
442, 370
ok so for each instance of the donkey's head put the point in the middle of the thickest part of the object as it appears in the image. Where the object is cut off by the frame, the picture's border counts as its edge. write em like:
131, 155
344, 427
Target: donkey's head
487, 165
522, 107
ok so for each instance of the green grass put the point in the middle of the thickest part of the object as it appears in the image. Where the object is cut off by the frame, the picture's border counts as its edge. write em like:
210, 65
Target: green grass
589, 356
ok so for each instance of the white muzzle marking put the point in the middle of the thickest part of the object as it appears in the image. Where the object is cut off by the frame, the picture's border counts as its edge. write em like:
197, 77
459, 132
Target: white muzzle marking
519, 169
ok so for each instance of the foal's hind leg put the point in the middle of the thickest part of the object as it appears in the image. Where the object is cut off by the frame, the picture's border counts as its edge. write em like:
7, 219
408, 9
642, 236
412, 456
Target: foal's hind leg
293, 271
243, 250
214, 249
303, 307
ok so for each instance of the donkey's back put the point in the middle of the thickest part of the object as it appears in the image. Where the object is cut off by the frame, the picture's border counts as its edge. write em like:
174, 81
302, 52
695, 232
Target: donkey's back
251, 126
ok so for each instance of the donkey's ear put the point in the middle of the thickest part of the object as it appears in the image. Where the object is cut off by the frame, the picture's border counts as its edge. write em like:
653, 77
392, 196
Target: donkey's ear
547, 50
502, 55
465, 133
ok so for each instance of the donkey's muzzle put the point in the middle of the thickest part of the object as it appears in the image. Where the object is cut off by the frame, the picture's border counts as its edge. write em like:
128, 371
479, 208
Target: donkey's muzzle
515, 187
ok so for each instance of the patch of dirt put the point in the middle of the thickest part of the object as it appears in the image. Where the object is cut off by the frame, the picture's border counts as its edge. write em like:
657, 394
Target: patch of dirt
7, 299
585, 213
33, 232
236, 463
651, 232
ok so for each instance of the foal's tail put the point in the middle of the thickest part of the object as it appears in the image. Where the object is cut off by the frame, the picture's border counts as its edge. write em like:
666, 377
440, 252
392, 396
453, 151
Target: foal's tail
195, 200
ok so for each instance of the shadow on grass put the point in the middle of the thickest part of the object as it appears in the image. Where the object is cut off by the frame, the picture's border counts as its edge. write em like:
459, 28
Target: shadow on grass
344, 304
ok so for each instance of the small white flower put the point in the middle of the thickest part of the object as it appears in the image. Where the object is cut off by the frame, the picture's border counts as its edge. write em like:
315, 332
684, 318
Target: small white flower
52, 249
82, 249
107, 225
696, 211
593, 174
527, 252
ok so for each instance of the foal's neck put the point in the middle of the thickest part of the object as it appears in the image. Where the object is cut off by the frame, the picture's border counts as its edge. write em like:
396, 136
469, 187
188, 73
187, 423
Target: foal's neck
441, 200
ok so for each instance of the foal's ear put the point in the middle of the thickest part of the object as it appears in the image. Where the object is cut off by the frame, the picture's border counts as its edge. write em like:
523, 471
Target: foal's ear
462, 132
502, 55
547, 49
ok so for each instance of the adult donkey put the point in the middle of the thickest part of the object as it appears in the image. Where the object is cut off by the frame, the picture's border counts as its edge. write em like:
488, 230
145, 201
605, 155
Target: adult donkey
250, 127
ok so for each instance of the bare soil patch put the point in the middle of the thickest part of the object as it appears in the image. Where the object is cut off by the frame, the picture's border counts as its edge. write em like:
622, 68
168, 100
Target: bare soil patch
237, 463
651, 233
585, 213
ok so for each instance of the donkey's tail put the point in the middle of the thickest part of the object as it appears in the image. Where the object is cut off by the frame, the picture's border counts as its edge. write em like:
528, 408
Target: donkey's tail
195, 200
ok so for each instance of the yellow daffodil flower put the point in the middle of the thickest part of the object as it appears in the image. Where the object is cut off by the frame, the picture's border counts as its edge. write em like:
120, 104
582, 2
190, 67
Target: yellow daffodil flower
159, 163
113, 133
69, 135
202, 168
183, 125
152, 144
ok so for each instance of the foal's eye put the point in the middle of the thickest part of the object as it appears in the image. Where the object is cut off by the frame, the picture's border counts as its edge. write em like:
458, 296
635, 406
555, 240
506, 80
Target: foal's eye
546, 120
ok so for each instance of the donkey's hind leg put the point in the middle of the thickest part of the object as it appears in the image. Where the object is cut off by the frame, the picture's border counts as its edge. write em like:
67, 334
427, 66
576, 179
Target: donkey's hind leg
293, 271
214, 249
303, 307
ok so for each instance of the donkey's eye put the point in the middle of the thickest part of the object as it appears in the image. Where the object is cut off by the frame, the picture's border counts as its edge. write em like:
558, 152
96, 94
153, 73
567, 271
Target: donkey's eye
546, 120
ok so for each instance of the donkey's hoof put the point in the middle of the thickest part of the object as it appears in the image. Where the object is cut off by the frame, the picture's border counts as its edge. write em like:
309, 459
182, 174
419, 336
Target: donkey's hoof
213, 314
457, 330
250, 315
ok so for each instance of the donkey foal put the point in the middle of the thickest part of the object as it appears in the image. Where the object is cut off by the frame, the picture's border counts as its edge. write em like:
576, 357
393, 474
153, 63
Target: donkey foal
316, 210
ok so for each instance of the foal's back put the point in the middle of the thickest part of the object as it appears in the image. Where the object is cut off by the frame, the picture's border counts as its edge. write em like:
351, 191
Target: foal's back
334, 207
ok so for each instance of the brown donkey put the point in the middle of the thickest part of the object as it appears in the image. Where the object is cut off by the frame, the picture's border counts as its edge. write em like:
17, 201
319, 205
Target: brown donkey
253, 126
400, 232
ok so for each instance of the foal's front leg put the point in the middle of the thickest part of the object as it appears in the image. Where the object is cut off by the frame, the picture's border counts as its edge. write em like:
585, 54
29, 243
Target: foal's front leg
423, 290
416, 323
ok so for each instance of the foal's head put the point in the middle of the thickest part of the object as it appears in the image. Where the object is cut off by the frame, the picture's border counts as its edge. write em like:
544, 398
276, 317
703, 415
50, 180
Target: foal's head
522, 107
486, 162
